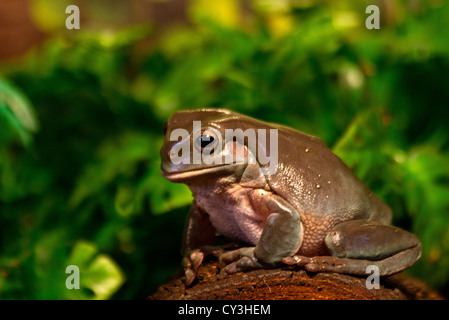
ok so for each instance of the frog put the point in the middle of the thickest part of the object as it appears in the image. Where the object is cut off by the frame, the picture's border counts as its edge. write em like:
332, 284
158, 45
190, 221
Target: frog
311, 212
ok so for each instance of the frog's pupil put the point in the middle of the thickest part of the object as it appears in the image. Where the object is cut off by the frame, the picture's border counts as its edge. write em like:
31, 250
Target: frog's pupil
205, 140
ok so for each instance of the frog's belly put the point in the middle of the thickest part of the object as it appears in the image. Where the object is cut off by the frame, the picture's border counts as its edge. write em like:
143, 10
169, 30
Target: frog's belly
231, 213
233, 216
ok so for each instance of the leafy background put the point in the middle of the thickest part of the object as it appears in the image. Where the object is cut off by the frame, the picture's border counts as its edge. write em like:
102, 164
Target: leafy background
81, 126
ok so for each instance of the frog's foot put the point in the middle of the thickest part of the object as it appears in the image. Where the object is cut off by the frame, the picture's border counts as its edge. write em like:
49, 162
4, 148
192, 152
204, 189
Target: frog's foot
191, 261
240, 260
387, 266
194, 258
297, 260
320, 263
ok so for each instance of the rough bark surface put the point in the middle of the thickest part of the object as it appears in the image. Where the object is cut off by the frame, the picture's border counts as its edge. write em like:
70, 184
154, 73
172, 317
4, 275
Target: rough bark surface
289, 283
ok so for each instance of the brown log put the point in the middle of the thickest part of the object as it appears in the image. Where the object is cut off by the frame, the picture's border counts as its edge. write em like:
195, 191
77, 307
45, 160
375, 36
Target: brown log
289, 283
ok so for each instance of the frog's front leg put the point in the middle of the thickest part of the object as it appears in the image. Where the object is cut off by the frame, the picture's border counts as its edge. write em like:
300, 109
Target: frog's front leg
281, 237
198, 233
355, 245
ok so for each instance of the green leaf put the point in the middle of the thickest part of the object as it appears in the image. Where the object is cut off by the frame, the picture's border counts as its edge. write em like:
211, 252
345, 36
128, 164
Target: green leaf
103, 277
17, 110
98, 273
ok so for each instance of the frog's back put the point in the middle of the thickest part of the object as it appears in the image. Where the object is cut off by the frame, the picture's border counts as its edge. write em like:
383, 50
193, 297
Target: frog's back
321, 187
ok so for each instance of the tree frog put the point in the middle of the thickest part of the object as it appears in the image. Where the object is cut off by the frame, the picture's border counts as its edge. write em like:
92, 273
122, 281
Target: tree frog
311, 211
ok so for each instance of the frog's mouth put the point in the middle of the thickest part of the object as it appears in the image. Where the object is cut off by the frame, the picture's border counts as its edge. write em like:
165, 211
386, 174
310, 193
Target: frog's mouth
176, 176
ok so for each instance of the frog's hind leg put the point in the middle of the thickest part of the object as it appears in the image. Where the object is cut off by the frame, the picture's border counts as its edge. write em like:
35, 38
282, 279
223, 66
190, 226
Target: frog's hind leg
355, 245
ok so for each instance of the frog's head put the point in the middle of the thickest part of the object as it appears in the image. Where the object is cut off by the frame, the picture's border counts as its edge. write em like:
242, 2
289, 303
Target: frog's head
206, 143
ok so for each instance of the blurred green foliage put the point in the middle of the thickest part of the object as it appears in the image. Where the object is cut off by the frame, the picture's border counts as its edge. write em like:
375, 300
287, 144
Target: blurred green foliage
81, 127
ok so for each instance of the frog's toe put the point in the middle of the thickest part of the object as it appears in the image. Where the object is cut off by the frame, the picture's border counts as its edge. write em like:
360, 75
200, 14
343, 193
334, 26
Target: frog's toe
241, 265
196, 257
238, 260
190, 276
315, 264
296, 260
193, 259
235, 255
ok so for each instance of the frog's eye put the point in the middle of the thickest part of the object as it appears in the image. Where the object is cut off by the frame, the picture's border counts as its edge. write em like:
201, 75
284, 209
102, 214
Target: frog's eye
207, 140
204, 140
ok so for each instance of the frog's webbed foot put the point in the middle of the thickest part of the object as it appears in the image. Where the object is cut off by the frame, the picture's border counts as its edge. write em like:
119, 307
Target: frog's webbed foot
240, 260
